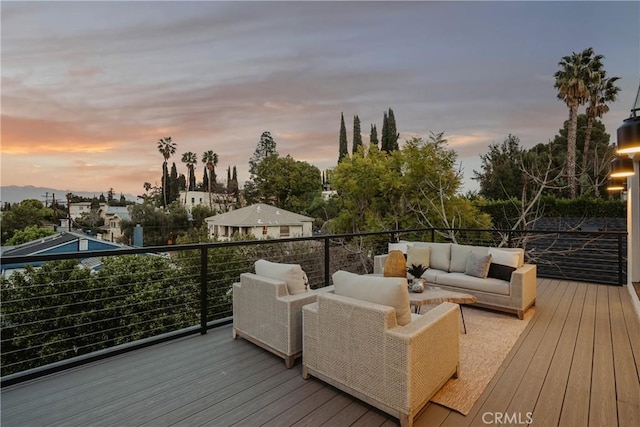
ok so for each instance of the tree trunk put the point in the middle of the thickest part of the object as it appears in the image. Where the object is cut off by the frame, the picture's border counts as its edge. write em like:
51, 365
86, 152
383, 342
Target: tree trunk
571, 150
585, 150
164, 185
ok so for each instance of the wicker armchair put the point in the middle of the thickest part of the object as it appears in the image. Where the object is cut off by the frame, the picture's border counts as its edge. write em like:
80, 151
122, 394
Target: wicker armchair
265, 314
357, 347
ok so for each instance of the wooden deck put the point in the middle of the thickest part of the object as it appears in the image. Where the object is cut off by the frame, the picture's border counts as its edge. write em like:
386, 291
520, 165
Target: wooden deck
576, 364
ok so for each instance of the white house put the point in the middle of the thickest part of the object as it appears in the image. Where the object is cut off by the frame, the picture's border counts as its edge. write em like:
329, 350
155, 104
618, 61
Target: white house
113, 217
261, 221
219, 202
76, 209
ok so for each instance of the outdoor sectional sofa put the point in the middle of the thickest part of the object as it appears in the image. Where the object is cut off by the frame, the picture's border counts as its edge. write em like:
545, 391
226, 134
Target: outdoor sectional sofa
447, 265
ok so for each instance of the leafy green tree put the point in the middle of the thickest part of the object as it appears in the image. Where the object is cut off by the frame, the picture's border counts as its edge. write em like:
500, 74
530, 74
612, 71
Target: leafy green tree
167, 148
21, 215
373, 136
357, 135
415, 186
287, 183
159, 226
190, 159
501, 176
573, 82
129, 298
90, 221
343, 150
29, 234
266, 147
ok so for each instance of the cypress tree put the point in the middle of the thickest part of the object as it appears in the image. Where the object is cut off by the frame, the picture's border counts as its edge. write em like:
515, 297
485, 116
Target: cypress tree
228, 179
385, 134
373, 136
357, 134
393, 132
205, 180
175, 184
343, 151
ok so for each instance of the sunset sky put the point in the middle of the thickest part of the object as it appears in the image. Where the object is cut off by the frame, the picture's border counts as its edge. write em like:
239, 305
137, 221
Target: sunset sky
88, 88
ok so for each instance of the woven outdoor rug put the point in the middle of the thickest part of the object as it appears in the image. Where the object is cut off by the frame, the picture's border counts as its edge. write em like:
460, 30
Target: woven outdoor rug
489, 338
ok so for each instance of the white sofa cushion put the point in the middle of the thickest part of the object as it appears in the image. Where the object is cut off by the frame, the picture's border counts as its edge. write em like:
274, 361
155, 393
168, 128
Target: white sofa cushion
291, 274
417, 255
440, 254
432, 275
460, 255
389, 291
461, 280
504, 257
400, 246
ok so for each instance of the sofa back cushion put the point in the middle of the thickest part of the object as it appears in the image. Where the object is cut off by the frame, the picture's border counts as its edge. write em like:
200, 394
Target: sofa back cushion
389, 291
460, 255
418, 256
440, 254
507, 256
291, 274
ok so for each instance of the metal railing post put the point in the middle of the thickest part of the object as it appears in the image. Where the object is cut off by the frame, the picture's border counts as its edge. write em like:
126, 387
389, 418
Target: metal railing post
203, 290
326, 262
620, 260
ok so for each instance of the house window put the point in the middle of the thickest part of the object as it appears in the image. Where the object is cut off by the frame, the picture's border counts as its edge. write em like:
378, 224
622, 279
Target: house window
264, 230
193, 200
284, 231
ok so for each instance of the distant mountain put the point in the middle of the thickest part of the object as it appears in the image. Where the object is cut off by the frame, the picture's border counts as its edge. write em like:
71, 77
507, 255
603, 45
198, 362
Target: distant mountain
16, 194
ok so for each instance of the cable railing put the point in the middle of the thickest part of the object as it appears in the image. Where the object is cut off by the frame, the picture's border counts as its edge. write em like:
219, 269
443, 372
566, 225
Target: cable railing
58, 314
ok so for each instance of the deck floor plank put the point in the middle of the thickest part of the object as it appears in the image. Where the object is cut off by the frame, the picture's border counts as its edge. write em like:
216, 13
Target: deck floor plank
603, 388
582, 344
514, 374
627, 386
548, 407
526, 396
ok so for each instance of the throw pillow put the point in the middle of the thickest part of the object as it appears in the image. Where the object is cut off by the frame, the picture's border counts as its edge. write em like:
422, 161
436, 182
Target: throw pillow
418, 256
511, 259
395, 265
389, 291
478, 265
291, 274
499, 271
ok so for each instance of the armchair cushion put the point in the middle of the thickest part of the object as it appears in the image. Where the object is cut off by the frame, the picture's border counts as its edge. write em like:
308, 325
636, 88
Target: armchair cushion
389, 291
291, 274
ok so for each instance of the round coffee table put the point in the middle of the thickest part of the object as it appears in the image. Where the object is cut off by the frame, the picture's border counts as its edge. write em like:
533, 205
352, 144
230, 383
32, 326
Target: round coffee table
435, 295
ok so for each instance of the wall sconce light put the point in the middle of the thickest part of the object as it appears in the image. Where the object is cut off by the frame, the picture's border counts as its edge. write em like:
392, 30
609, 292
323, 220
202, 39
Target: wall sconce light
621, 167
616, 184
629, 132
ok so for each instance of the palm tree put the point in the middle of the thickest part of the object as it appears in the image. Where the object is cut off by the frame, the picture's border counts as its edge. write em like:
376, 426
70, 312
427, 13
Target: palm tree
190, 159
572, 82
167, 148
602, 91
210, 159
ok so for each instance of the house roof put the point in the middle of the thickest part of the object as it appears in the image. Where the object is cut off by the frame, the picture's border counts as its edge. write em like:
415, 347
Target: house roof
121, 212
51, 242
258, 215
